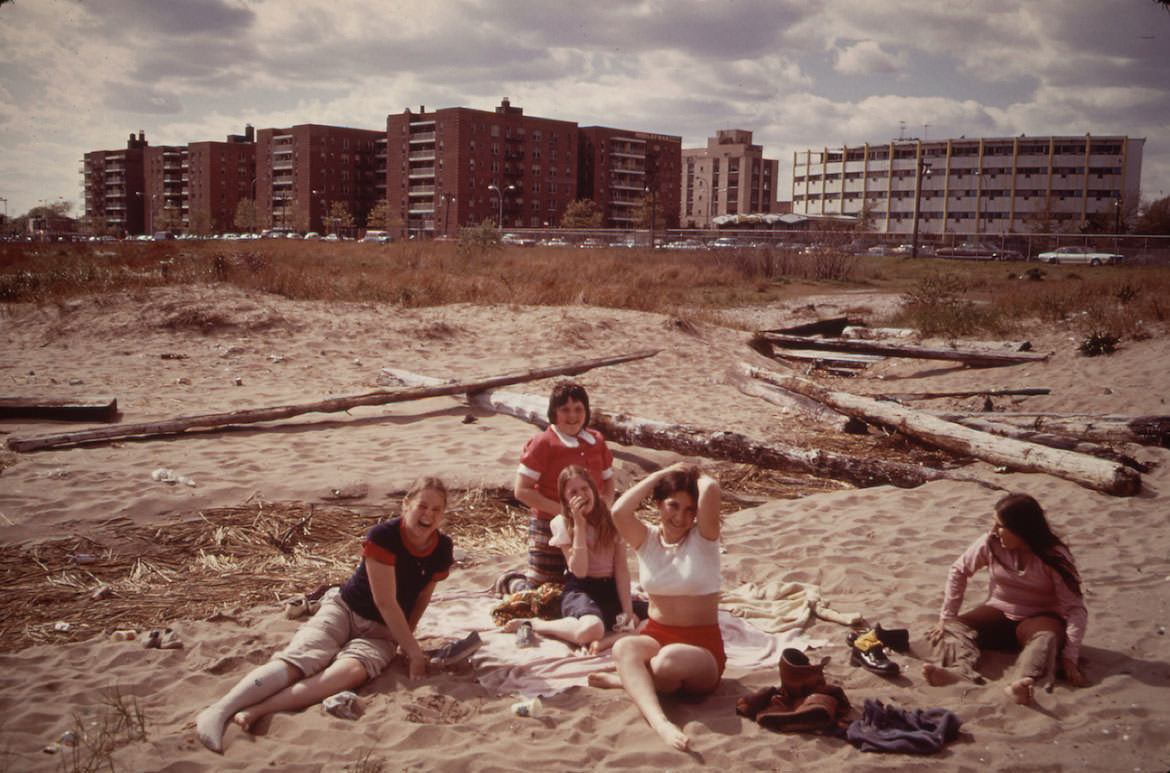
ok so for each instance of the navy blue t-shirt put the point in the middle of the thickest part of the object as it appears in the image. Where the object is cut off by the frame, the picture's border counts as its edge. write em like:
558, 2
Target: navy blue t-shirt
412, 571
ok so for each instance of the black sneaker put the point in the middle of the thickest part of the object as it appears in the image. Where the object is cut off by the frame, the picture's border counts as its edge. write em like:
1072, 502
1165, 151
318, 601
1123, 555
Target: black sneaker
455, 651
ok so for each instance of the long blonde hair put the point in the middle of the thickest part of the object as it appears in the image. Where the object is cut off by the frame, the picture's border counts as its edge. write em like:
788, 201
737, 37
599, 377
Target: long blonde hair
599, 517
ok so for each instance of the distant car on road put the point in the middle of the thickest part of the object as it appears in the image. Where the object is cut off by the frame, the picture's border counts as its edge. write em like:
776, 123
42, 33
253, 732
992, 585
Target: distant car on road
726, 242
1081, 255
973, 251
518, 240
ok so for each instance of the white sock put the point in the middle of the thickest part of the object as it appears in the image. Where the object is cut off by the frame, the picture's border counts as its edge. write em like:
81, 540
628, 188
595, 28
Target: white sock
261, 683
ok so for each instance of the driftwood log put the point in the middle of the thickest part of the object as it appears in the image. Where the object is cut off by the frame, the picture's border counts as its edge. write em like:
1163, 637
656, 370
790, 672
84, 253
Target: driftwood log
331, 405
94, 409
987, 423
713, 444
1143, 430
1022, 391
973, 357
1093, 473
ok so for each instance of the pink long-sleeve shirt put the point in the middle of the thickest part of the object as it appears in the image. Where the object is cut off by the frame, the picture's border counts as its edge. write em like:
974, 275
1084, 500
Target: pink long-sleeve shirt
1021, 586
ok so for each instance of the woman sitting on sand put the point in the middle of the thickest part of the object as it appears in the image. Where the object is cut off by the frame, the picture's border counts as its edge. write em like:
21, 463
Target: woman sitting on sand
1034, 603
359, 627
680, 648
596, 597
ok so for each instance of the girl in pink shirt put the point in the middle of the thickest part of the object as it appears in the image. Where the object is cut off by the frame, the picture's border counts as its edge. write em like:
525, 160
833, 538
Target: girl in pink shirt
1034, 603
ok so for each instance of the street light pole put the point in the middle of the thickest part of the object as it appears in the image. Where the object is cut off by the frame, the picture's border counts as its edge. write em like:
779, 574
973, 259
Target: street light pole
923, 169
500, 194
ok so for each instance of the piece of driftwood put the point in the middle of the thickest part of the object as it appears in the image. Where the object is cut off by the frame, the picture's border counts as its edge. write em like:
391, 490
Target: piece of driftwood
713, 444
1023, 391
1093, 473
987, 423
1143, 430
872, 333
331, 405
94, 409
791, 401
973, 357
838, 359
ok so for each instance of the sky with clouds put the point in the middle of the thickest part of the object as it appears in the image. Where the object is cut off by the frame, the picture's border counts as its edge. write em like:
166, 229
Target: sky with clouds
80, 75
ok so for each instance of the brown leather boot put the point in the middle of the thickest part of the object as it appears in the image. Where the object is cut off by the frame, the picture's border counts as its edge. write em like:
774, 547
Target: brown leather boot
799, 677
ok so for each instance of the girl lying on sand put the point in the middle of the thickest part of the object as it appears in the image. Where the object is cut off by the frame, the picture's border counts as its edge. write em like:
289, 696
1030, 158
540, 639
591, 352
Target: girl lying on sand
1034, 603
359, 627
596, 598
680, 649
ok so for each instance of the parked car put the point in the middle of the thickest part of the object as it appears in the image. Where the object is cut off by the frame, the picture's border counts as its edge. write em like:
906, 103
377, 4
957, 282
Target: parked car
1083, 255
518, 240
593, 242
974, 251
726, 242
684, 244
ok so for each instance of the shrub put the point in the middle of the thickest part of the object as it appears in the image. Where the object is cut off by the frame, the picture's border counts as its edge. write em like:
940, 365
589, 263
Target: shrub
1098, 342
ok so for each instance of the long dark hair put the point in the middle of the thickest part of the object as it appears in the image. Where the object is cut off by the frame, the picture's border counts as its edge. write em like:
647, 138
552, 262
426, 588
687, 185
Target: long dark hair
598, 518
685, 479
1024, 517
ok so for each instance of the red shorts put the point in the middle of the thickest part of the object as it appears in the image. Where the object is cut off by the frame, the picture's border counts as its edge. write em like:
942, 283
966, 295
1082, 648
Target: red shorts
708, 637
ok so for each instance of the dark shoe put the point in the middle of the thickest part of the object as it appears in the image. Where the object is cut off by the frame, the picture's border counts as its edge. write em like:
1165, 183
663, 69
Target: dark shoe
897, 639
456, 651
872, 656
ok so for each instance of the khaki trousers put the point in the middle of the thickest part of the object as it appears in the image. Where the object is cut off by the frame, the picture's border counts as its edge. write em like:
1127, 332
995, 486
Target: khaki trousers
1039, 640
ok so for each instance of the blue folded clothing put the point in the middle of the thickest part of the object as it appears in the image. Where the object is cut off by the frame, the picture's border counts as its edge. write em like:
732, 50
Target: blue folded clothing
902, 731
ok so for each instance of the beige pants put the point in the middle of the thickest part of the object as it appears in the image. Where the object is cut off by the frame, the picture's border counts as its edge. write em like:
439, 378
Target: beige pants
966, 636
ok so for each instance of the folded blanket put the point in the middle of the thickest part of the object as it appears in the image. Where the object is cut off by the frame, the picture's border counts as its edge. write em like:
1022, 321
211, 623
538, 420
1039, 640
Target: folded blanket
779, 606
552, 666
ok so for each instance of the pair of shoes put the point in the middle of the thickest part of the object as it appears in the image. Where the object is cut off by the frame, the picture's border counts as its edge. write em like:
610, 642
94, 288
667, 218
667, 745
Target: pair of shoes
299, 606
867, 651
455, 651
897, 639
163, 639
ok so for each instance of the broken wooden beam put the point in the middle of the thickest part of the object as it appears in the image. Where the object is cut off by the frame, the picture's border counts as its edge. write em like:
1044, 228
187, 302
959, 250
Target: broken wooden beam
94, 409
791, 401
712, 444
973, 357
824, 327
331, 405
1093, 473
987, 423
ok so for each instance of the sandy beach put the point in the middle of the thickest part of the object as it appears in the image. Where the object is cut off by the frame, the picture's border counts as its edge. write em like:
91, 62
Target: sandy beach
882, 552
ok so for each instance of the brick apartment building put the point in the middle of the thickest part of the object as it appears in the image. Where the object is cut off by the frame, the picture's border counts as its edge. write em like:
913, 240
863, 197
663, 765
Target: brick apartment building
162, 197
113, 182
619, 168
304, 170
458, 166
217, 177
728, 177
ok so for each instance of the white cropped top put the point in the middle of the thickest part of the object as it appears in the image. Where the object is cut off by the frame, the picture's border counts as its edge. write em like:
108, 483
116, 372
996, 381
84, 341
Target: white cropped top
690, 568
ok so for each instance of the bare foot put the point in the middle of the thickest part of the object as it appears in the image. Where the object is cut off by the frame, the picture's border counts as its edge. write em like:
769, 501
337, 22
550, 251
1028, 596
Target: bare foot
673, 736
606, 680
937, 676
513, 625
245, 720
1021, 691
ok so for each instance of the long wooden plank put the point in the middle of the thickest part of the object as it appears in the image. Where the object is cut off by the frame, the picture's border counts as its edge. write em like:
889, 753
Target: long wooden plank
968, 356
331, 405
92, 409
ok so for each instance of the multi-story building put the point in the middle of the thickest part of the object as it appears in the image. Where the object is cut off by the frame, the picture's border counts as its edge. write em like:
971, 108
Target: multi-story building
728, 177
973, 186
163, 198
458, 166
309, 177
620, 169
216, 178
114, 188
